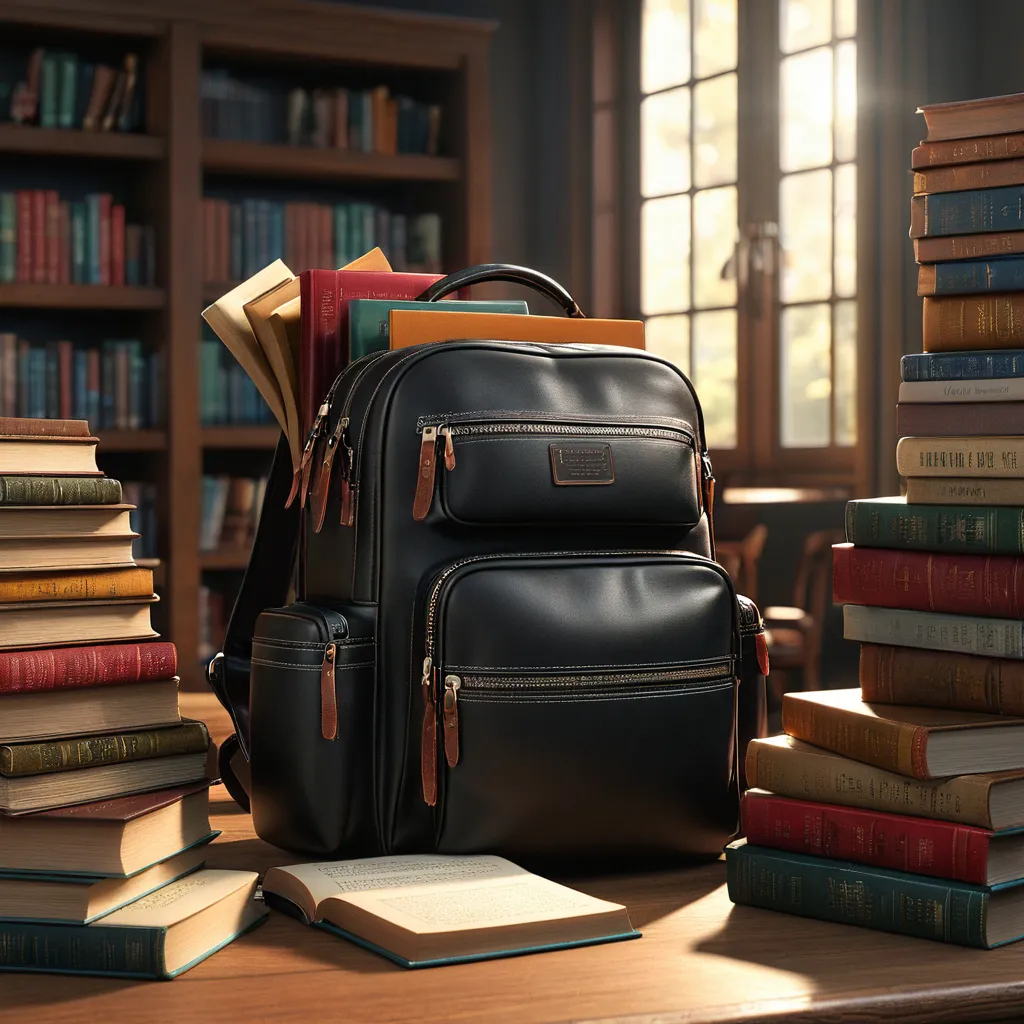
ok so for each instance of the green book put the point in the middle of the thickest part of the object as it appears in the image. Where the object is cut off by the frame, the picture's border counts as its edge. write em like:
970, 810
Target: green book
369, 322
890, 901
341, 236
48, 90
8, 237
158, 936
59, 490
67, 90
965, 529
41, 758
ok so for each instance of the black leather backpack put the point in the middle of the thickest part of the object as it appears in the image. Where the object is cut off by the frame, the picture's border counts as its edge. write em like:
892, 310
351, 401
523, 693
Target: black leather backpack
512, 637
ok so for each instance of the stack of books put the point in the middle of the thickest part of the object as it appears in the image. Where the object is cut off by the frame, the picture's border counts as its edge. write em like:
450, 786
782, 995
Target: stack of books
900, 805
104, 807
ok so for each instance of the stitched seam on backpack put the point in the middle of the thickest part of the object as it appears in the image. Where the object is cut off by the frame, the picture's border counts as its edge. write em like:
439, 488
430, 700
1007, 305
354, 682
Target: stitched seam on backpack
558, 668
309, 666
681, 692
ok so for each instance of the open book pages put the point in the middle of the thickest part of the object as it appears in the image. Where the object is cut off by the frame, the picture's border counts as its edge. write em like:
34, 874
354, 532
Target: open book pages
429, 909
243, 320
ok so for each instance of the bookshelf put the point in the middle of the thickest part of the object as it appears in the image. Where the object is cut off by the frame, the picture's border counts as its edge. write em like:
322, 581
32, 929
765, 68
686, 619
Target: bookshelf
167, 170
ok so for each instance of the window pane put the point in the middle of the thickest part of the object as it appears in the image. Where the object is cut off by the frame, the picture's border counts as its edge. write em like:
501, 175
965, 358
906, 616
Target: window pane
714, 131
714, 37
804, 23
846, 101
845, 354
846, 17
665, 57
669, 337
714, 374
806, 110
714, 241
665, 255
806, 374
665, 143
805, 208
846, 230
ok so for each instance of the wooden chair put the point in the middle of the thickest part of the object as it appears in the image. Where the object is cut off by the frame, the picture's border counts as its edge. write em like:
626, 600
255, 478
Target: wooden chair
739, 558
794, 633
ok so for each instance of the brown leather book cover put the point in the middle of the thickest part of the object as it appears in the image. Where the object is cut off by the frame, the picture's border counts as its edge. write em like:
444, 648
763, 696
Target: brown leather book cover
963, 119
941, 679
989, 174
72, 586
23, 426
964, 419
956, 322
412, 327
126, 808
968, 151
968, 247
893, 737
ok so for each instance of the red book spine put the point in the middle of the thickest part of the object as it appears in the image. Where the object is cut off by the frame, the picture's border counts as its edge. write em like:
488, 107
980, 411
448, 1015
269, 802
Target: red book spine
24, 236
920, 846
105, 204
39, 236
79, 667
52, 229
117, 244
65, 359
64, 242
929, 582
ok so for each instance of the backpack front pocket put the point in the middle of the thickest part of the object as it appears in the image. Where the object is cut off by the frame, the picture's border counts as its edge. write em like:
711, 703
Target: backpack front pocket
581, 705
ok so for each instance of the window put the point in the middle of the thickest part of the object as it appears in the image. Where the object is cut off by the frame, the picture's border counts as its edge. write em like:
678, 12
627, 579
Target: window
748, 204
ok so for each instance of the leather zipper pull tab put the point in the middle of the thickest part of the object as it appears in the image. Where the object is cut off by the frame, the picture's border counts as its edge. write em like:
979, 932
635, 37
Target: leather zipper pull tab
761, 646
328, 696
321, 489
449, 448
428, 737
425, 479
296, 478
306, 464
452, 685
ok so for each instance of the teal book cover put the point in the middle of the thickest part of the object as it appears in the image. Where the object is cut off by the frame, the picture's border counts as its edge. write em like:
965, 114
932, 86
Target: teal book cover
369, 319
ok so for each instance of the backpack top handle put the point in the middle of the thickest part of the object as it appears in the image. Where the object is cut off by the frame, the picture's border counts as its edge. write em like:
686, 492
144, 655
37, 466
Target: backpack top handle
502, 272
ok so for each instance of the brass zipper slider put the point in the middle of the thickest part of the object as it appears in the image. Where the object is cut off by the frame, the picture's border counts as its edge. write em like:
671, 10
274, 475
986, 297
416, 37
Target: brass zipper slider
321, 488
425, 479
449, 448
328, 696
428, 737
452, 685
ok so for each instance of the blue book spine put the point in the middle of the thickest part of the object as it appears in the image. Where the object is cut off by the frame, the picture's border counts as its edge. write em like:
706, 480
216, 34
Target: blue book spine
92, 239
263, 233
276, 232
49, 88
38, 382
78, 239
136, 386
963, 277
968, 213
81, 385
51, 382
24, 375
8, 237
250, 239
980, 365
341, 256
108, 384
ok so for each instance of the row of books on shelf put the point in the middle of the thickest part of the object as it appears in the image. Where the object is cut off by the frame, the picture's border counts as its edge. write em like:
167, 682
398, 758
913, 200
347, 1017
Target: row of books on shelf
240, 238
143, 495
362, 120
227, 395
230, 511
117, 385
104, 805
214, 606
48, 240
60, 89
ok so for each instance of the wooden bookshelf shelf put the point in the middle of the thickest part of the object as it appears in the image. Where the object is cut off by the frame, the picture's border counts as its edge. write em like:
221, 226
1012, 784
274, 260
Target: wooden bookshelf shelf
224, 559
258, 437
16, 138
131, 441
309, 163
81, 296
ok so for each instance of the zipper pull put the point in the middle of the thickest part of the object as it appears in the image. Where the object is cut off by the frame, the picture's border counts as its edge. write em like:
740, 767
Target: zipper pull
306, 465
425, 479
452, 685
449, 448
328, 696
428, 737
321, 488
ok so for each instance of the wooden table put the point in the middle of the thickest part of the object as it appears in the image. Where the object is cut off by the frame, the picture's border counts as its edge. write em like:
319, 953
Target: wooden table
700, 960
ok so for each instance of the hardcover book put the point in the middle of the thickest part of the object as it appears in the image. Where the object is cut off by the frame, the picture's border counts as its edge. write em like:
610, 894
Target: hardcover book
787, 767
938, 679
997, 390
899, 842
84, 900
66, 586
78, 667
984, 456
931, 490
968, 247
967, 213
958, 322
924, 743
928, 581
425, 911
965, 119
963, 177
964, 277
979, 365
890, 901
1005, 146
71, 456
968, 634
114, 838
55, 623
161, 935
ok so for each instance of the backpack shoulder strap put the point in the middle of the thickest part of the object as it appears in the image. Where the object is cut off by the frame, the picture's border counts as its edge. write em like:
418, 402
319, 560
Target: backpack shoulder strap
265, 585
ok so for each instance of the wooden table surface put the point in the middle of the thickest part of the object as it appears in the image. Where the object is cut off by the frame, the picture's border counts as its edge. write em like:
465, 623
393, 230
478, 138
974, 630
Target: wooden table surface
700, 960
